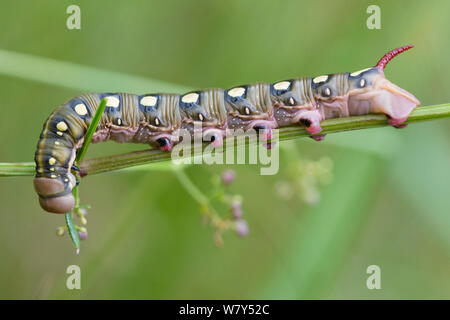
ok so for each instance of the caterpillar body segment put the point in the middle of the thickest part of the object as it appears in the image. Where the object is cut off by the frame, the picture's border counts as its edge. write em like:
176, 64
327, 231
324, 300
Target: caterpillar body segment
295, 102
251, 107
157, 119
207, 109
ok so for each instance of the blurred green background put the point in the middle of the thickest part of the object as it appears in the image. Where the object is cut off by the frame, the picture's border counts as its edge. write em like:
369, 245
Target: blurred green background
387, 202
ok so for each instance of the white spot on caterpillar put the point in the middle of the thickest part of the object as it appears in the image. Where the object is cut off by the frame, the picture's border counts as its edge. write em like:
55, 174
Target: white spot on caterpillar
149, 101
282, 85
59, 133
119, 122
53, 176
327, 92
190, 97
112, 102
247, 110
80, 109
157, 122
320, 79
236, 92
200, 117
51, 161
357, 73
362, 82
66, 180
61, 126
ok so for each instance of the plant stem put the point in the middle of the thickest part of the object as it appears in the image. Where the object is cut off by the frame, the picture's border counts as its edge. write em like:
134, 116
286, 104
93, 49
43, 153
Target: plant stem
91, 130
71, 227
17, 169
190, 187
207, 209
121, 161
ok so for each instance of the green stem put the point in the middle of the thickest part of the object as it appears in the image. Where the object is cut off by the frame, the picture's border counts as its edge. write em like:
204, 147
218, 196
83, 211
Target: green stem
116, 162
71, 228
199, 197
91, 130
17, 169
190, 187
121, 161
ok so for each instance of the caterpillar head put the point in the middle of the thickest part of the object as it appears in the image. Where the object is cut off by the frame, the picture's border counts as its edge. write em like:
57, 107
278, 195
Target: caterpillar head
371, 92
54, 194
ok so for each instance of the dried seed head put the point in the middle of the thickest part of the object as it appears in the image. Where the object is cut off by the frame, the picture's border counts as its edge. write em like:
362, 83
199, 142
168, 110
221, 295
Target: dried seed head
242, 228
82, 235
236, 210
60, 231
228, 176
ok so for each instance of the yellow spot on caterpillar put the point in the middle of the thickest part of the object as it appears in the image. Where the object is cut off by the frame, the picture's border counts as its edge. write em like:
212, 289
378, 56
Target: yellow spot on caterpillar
52, 169
149, 101
236, 92
51, 161
112, 102
57, 143
190, 97
80, 109
320, 79
282, 85
357, 73
62, 126
53, 176
59, 133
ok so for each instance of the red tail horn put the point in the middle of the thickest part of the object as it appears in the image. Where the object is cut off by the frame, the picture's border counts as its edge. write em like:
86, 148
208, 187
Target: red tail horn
390, 55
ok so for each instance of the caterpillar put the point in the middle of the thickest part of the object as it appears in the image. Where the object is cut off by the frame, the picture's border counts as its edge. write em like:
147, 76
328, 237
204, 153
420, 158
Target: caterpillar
156, 119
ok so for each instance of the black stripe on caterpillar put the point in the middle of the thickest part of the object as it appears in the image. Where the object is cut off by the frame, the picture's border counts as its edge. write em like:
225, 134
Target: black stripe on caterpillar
156, 119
